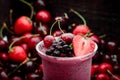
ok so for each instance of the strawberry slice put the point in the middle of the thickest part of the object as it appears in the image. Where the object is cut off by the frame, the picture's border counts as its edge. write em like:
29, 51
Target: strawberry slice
82, 45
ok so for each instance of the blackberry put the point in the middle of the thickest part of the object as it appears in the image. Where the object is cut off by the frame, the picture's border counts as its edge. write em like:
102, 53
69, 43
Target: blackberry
60, 48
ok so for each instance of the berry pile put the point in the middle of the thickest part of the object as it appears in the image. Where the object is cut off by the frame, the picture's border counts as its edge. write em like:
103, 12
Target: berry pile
32, 21
60, 49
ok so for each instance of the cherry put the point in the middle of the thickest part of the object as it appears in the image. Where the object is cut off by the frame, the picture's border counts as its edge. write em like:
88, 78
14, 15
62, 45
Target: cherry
111, 46
15, 39
39, 4
3, 44
22, 25
16, 78
116, 68
48, 40
67, 37
102, 44
42, 29
26, 37
95, 38
25, 47
94, 69
3, 56
30, 66
57, 33
33, 76
107, 58
3, 75
102, 76
33, 41
43, 16
17, 54
105, 67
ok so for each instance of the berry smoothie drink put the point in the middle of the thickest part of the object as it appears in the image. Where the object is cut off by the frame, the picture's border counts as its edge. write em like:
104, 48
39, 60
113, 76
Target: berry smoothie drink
77, 67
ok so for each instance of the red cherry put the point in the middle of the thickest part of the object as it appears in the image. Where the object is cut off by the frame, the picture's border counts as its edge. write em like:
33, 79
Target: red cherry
104, 67
81, 29
95, 38
33, 41
43, 16
15, 38
16, 78
58, 33
102, 76
27, 36
42, 29
94, 69
107, 58
17, 54
3, 75
111, 46
3, 56
22, 25
3, 44
116, 68
48, 40
33, 76
67, 37
39, 4
25, 47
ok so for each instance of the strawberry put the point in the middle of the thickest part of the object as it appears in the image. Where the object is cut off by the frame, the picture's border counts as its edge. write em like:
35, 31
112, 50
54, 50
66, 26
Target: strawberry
17, 54
22, 25
82, 45
81, 29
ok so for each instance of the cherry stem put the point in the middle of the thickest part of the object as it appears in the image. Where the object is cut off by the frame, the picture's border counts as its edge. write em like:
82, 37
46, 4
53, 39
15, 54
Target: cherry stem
113, 75
102, 36
80, 16
1, 31
31, 7
4, 27
10, 47
40, 24
11, 21
27, 59
66, 15
59, 26
52, 27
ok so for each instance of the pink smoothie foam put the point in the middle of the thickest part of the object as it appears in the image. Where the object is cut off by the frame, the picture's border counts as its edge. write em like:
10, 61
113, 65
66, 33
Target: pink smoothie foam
65, 68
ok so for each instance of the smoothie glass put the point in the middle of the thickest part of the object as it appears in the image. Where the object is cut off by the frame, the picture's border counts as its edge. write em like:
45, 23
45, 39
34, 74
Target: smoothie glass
65, 68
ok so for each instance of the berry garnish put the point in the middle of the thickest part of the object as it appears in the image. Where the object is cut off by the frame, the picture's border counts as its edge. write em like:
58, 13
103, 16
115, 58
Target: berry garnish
48, 40
59, 48
82, 45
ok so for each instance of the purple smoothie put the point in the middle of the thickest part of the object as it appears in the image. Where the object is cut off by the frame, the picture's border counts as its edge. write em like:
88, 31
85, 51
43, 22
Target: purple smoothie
65, 68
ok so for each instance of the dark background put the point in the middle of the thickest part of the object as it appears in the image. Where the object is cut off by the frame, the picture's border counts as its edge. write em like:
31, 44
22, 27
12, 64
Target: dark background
103, 16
